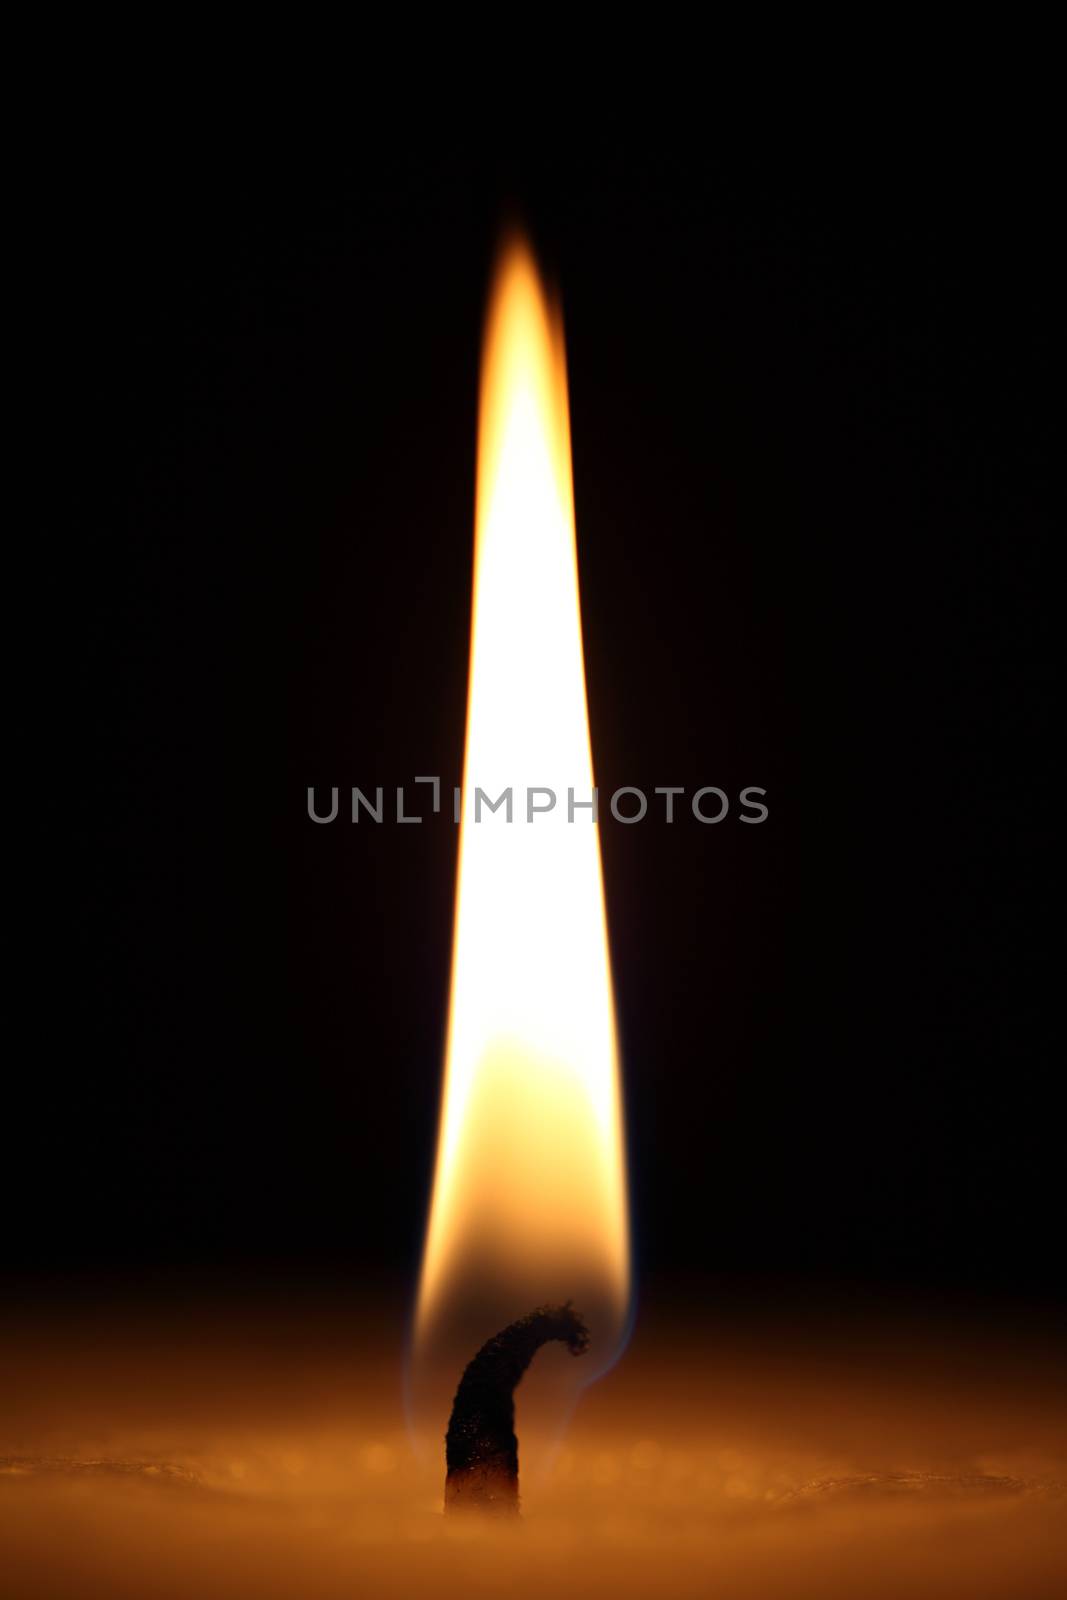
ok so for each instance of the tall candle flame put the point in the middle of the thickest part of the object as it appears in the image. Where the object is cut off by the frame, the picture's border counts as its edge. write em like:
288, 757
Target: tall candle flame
529, 1198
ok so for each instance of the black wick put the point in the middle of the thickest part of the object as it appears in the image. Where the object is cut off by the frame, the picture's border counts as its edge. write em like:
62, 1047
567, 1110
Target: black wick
481, 1450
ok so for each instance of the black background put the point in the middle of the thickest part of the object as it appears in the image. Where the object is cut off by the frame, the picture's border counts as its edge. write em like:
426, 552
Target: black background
811, 418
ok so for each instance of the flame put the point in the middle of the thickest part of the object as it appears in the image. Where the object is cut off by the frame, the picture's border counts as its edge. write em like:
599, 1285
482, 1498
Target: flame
529, 1199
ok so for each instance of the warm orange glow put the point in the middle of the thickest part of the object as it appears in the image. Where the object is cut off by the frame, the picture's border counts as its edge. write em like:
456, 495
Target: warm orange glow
529, 1198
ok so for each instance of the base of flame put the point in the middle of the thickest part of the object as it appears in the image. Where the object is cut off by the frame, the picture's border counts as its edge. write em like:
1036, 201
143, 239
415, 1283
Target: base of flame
481, 1450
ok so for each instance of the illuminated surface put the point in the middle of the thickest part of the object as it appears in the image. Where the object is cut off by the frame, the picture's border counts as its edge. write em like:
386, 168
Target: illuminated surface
261, 1452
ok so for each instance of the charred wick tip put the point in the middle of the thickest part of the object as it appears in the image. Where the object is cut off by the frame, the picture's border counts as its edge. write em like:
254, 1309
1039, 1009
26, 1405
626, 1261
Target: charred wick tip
481, 1450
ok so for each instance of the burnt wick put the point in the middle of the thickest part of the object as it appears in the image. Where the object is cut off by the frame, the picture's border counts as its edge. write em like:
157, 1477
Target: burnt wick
481, 1450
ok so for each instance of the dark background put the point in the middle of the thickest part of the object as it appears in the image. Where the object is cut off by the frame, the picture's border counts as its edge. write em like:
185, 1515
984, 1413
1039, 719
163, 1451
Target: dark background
811, 420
